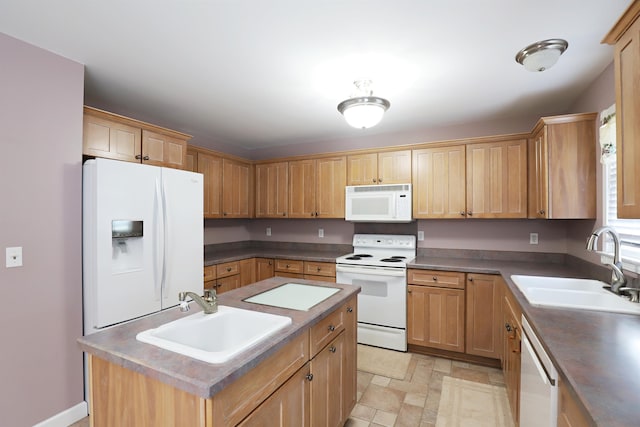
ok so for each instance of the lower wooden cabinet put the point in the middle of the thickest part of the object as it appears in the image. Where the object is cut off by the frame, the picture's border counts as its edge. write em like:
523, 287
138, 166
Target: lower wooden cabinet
484, 315
247, 271
326, 385
570, 413
511, 356
264, 268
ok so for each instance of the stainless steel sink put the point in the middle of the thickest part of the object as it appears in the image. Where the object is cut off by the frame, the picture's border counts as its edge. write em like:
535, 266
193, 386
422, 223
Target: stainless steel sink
215, 338
585, 294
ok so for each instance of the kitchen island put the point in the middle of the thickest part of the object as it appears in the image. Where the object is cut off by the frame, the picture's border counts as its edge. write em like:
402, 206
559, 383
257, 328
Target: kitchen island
133, 383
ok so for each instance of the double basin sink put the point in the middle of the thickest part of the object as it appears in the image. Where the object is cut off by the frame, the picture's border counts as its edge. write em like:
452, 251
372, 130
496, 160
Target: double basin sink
565, 292
218, 337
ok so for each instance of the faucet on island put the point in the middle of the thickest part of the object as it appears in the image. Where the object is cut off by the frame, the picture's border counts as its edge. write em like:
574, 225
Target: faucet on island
618, 281
208, 302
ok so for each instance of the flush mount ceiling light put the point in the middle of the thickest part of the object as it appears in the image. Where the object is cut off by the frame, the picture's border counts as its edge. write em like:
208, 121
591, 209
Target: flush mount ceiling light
363, 110
541, 55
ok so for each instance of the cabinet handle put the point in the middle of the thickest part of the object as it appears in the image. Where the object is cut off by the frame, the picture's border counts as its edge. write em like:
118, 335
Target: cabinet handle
284, 214
408, 291
309, 377
471, 279
507, 327
469, 213
228, 268
380, 180
374, 180
145, 158
316, 213
286, 266
332, 349
270, 262
349, 309
331, 328
541, 212
138, 156
224, 214
312, 214
462, 213
435, 278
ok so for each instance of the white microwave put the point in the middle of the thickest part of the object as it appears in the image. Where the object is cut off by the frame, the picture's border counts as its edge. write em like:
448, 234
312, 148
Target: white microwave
378, 203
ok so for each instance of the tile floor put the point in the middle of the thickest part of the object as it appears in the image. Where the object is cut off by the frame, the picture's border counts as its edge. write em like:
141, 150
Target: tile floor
412, 402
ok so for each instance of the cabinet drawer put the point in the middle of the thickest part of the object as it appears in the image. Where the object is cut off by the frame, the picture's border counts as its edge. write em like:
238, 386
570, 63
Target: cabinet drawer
291, 275
227, 269
325, 331
320, 268
320, 278
289, 266
209, 273
440, 279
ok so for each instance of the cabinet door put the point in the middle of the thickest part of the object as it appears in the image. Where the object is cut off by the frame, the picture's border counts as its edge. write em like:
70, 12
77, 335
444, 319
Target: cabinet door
439, 183
350, 377
327, 393
394, 167
211, 167
331, 180
302, 189
286, 407
484, 315
538, 175
511, 355
570, 413
272, 190
163, 150
435, 317
247, 271
191, 160
627, 70
227, 284
236, 189
362, 169
264, 268
497, 179
111, 140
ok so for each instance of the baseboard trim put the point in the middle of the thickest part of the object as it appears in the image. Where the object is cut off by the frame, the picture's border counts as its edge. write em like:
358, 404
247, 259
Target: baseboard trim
66, 417
453, 355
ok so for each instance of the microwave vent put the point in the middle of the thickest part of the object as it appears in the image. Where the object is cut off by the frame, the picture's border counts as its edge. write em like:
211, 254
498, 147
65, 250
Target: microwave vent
378, 188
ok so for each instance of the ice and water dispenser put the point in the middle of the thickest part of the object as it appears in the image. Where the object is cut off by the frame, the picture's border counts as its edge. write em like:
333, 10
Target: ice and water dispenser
127, 244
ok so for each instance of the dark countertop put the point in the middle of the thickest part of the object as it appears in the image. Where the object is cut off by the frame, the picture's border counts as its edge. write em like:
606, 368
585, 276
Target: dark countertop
596, 353
119, 345
219, 257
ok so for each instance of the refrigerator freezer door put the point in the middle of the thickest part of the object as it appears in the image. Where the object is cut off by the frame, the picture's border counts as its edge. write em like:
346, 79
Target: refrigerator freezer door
119, 280
183, 234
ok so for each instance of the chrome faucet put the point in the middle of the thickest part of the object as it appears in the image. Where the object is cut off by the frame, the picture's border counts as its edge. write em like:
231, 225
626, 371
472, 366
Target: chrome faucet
617, 276
208, 302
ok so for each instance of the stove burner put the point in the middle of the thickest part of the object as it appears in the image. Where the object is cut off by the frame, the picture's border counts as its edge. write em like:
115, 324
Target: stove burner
354, 257
399, 257
394, 259
363, 255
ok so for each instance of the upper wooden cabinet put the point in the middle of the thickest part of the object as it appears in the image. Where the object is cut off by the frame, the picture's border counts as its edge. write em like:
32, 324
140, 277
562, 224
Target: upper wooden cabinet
497, 179
117, 137
625, 35
562, 167
439, 182
388, 167
316, 188
211, 167
272, 190
237, 189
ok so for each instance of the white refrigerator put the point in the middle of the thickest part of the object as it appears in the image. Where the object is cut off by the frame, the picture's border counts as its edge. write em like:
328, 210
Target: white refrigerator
142, 240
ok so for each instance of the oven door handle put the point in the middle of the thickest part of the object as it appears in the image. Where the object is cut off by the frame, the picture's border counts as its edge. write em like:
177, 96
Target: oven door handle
379, 271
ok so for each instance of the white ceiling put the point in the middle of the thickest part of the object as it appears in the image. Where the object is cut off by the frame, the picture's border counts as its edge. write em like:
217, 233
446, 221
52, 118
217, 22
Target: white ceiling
261, 73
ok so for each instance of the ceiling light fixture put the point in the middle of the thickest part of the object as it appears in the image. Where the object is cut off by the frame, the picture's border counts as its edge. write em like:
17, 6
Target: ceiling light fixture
541, 55
363, 110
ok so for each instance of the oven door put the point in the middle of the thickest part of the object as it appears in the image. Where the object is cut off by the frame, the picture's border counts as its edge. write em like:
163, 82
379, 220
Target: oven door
383, 296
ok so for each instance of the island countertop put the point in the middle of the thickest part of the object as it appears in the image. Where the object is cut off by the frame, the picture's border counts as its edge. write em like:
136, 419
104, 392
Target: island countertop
118, 344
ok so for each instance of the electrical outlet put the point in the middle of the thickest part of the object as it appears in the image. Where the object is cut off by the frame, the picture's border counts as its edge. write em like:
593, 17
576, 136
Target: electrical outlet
533, 238
268, 231
320, 232
14, 257
420, 235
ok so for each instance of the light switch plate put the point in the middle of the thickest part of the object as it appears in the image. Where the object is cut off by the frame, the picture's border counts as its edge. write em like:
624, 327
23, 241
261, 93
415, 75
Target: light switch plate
420, 235
533, 238
14, 257
320, 232
268, 231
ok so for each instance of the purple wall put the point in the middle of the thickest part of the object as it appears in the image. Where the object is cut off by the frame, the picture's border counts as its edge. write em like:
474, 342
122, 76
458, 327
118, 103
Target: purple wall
40, 188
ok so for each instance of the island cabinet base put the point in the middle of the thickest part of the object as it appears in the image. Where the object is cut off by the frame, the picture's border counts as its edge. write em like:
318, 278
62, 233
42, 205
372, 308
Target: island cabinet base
311, 381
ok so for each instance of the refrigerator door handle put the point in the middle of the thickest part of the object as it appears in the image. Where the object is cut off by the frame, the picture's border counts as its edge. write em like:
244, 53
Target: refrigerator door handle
158, 250
165, 241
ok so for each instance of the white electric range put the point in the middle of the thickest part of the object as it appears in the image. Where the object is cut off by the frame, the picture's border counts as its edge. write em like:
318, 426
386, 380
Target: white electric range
379, 266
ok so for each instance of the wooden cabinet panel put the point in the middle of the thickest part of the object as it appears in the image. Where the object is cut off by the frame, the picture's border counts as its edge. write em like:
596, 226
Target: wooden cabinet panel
191, 160
323, 332
162, 150
436, 278
302, 189
349, 381
327, 393
562, 161
289, 406
247, 271
289, 266
484, 315
227, 284
272, 190
327, 279
237, 184
626, 36
511, 352
320, 268
210, 273
227, 269
439, 182
264, 268
570, 413
362, 169
110, 139
394, 167
331, 180
435, 317
211, 167
497, 179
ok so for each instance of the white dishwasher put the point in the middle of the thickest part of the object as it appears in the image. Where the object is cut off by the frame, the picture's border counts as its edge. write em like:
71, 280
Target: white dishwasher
538, 383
